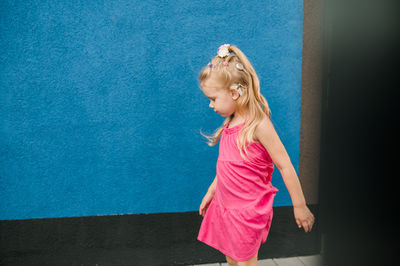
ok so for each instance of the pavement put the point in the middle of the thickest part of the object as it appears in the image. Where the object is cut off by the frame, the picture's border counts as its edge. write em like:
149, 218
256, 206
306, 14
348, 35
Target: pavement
314, 260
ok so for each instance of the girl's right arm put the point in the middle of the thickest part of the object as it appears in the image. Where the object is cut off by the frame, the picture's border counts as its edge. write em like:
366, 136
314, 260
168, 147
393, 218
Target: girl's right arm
213, 186
208, 197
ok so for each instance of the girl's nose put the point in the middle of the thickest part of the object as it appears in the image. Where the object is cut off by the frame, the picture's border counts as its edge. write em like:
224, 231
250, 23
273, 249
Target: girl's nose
211, 105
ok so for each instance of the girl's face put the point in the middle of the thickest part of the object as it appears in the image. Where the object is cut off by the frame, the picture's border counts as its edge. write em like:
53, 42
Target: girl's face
221, 100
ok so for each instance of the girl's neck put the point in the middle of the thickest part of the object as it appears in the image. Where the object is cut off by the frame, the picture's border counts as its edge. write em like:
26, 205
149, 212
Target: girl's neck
237, 119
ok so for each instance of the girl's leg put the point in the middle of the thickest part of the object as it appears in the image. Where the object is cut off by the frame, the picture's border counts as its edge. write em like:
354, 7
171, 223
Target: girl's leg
249, 262
231, 262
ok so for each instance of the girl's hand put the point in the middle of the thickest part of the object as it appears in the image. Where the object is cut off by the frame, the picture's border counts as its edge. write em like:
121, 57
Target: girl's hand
205, 203
304, 218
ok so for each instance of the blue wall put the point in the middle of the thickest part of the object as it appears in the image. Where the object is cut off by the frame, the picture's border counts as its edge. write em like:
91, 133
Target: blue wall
100, 107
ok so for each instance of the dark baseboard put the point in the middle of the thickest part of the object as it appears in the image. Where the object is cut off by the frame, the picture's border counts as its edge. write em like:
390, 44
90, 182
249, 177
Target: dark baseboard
145, 239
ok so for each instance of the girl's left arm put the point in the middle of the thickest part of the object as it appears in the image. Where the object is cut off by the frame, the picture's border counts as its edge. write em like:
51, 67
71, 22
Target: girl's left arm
267, 136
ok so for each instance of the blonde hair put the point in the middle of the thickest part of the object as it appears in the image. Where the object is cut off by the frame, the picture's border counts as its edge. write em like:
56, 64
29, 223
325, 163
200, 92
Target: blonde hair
251, 104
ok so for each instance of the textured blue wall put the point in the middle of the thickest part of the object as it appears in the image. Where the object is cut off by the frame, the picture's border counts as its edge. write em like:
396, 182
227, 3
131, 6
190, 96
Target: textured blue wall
100, 106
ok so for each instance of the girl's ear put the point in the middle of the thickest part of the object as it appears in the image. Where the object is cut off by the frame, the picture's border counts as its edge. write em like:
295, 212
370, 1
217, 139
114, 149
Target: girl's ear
234, 93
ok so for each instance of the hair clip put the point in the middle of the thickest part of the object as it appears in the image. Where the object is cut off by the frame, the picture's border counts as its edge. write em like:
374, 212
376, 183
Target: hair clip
210, 65
223, 50
236, 86
225, 63
239, 66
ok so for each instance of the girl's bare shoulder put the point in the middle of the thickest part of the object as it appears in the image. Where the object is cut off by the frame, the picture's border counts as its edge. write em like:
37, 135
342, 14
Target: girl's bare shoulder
263, 128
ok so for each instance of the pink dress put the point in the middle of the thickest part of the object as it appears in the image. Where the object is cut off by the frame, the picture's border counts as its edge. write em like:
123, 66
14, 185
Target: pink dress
239, 216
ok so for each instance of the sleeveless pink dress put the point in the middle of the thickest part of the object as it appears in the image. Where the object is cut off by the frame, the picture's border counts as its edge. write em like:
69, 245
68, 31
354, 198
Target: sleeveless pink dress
239, 216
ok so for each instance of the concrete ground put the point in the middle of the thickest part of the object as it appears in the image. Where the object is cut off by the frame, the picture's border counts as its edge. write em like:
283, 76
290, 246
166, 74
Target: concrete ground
314, 260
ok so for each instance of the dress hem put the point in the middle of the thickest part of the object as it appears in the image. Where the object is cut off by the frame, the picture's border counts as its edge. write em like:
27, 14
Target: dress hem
227, 253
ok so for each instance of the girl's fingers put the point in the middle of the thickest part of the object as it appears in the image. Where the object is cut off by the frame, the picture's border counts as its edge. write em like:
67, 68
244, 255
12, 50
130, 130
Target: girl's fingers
308, 228
307, 223
298, 223
305, 226
201, 210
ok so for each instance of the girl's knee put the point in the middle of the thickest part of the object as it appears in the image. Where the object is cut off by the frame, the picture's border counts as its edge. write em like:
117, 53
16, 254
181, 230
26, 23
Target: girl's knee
249, 262
231, 262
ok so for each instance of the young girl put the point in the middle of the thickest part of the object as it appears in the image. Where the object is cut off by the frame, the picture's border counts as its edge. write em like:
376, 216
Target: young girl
237, 209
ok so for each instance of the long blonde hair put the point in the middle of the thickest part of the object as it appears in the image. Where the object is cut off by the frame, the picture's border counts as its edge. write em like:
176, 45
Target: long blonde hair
251, 104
